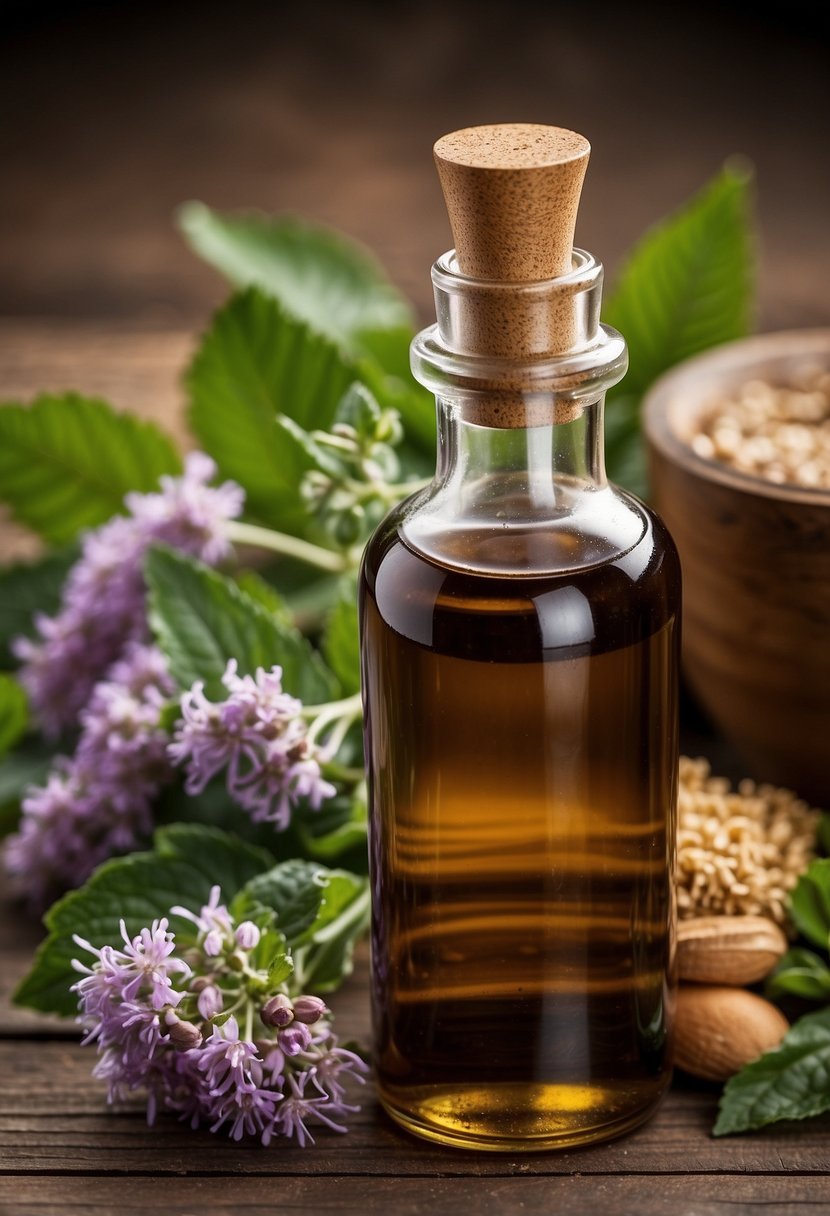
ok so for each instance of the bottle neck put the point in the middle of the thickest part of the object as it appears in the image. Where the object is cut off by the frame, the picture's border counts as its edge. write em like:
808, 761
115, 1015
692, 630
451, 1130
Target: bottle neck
520, 372
545, 464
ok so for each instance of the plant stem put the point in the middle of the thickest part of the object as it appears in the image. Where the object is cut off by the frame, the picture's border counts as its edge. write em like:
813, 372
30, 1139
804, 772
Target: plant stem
289, 546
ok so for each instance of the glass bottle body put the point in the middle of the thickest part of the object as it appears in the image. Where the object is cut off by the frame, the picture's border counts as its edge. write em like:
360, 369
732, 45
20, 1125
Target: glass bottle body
520, 643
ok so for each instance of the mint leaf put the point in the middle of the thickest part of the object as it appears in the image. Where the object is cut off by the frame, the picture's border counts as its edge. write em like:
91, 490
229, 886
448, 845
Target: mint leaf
202, 619
791, 1082
14, 713
688, 285
27, 588
186, 862
810, 903
337, 829
320, 276
321, 964
257, 361
800, 973
322, 914
67, 461
341, 644
294, 889
265, 594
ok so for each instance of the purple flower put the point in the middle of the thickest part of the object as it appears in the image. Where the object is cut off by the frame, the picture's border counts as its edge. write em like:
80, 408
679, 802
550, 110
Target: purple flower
259, 737
146, 1009
247, 935
103, 600
213, 922
99, 802
296, 1108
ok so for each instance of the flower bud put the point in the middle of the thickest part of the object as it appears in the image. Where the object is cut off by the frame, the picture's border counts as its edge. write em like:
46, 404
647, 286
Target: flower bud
213, 943
295, 1038
247, 935
277, 1011
209, 1002
309, 1009
183, 1035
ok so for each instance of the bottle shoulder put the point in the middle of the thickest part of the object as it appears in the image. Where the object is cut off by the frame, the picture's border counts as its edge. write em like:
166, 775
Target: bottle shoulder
625, 598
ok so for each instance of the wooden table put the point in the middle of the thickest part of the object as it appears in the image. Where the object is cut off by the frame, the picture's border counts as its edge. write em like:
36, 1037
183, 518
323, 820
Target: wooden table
61, 1151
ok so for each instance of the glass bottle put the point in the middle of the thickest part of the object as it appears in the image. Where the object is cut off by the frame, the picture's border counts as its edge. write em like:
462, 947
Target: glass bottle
519, 623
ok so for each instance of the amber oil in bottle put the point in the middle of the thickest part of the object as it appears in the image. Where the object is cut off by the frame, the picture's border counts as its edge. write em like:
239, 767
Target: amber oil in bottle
519, 638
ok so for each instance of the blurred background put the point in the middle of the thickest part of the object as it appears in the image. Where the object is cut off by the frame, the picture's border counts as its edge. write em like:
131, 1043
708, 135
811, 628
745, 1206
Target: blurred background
116, 112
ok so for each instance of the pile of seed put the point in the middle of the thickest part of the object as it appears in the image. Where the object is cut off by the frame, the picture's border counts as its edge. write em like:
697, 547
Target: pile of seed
780, 433
739, 851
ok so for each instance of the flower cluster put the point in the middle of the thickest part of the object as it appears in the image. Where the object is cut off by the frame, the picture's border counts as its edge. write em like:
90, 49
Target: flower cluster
103, 600
99, 802
166, 1020
259, 736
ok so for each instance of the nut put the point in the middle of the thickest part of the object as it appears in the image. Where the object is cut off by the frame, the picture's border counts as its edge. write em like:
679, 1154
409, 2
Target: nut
718, 1030
728, 949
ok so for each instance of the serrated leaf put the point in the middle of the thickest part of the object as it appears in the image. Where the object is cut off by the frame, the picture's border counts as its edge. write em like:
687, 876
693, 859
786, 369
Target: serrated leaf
67, 461
810, 903
189, 861
14, 713
687, 286
202, 619
341, 644
27, 588
318, 275
265, 594
257, 361
800, 973
791, 1082
322, 914
322, 963
294, 889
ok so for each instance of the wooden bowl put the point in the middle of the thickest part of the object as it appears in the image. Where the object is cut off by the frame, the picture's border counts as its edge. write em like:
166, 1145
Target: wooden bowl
756, 570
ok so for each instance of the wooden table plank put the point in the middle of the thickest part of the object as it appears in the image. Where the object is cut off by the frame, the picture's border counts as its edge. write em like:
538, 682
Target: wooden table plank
574, 1196
52, 1119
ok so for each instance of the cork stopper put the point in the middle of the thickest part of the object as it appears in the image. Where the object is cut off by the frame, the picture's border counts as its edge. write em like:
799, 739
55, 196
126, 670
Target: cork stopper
512, 193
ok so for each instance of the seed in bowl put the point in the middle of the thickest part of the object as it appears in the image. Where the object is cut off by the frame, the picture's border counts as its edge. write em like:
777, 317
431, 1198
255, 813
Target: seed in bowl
739, 852
780, 433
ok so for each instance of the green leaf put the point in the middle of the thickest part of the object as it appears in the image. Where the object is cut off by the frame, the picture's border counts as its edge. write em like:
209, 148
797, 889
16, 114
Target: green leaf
791, 1082
186, 862
322, 914
341, 644
337, 831
385, 370
14, 713
294, 889
320, 276
688, 285
67, 461
322, 964
257, 361
800, 973
202, 619
265, 594
810, 903
27, 588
